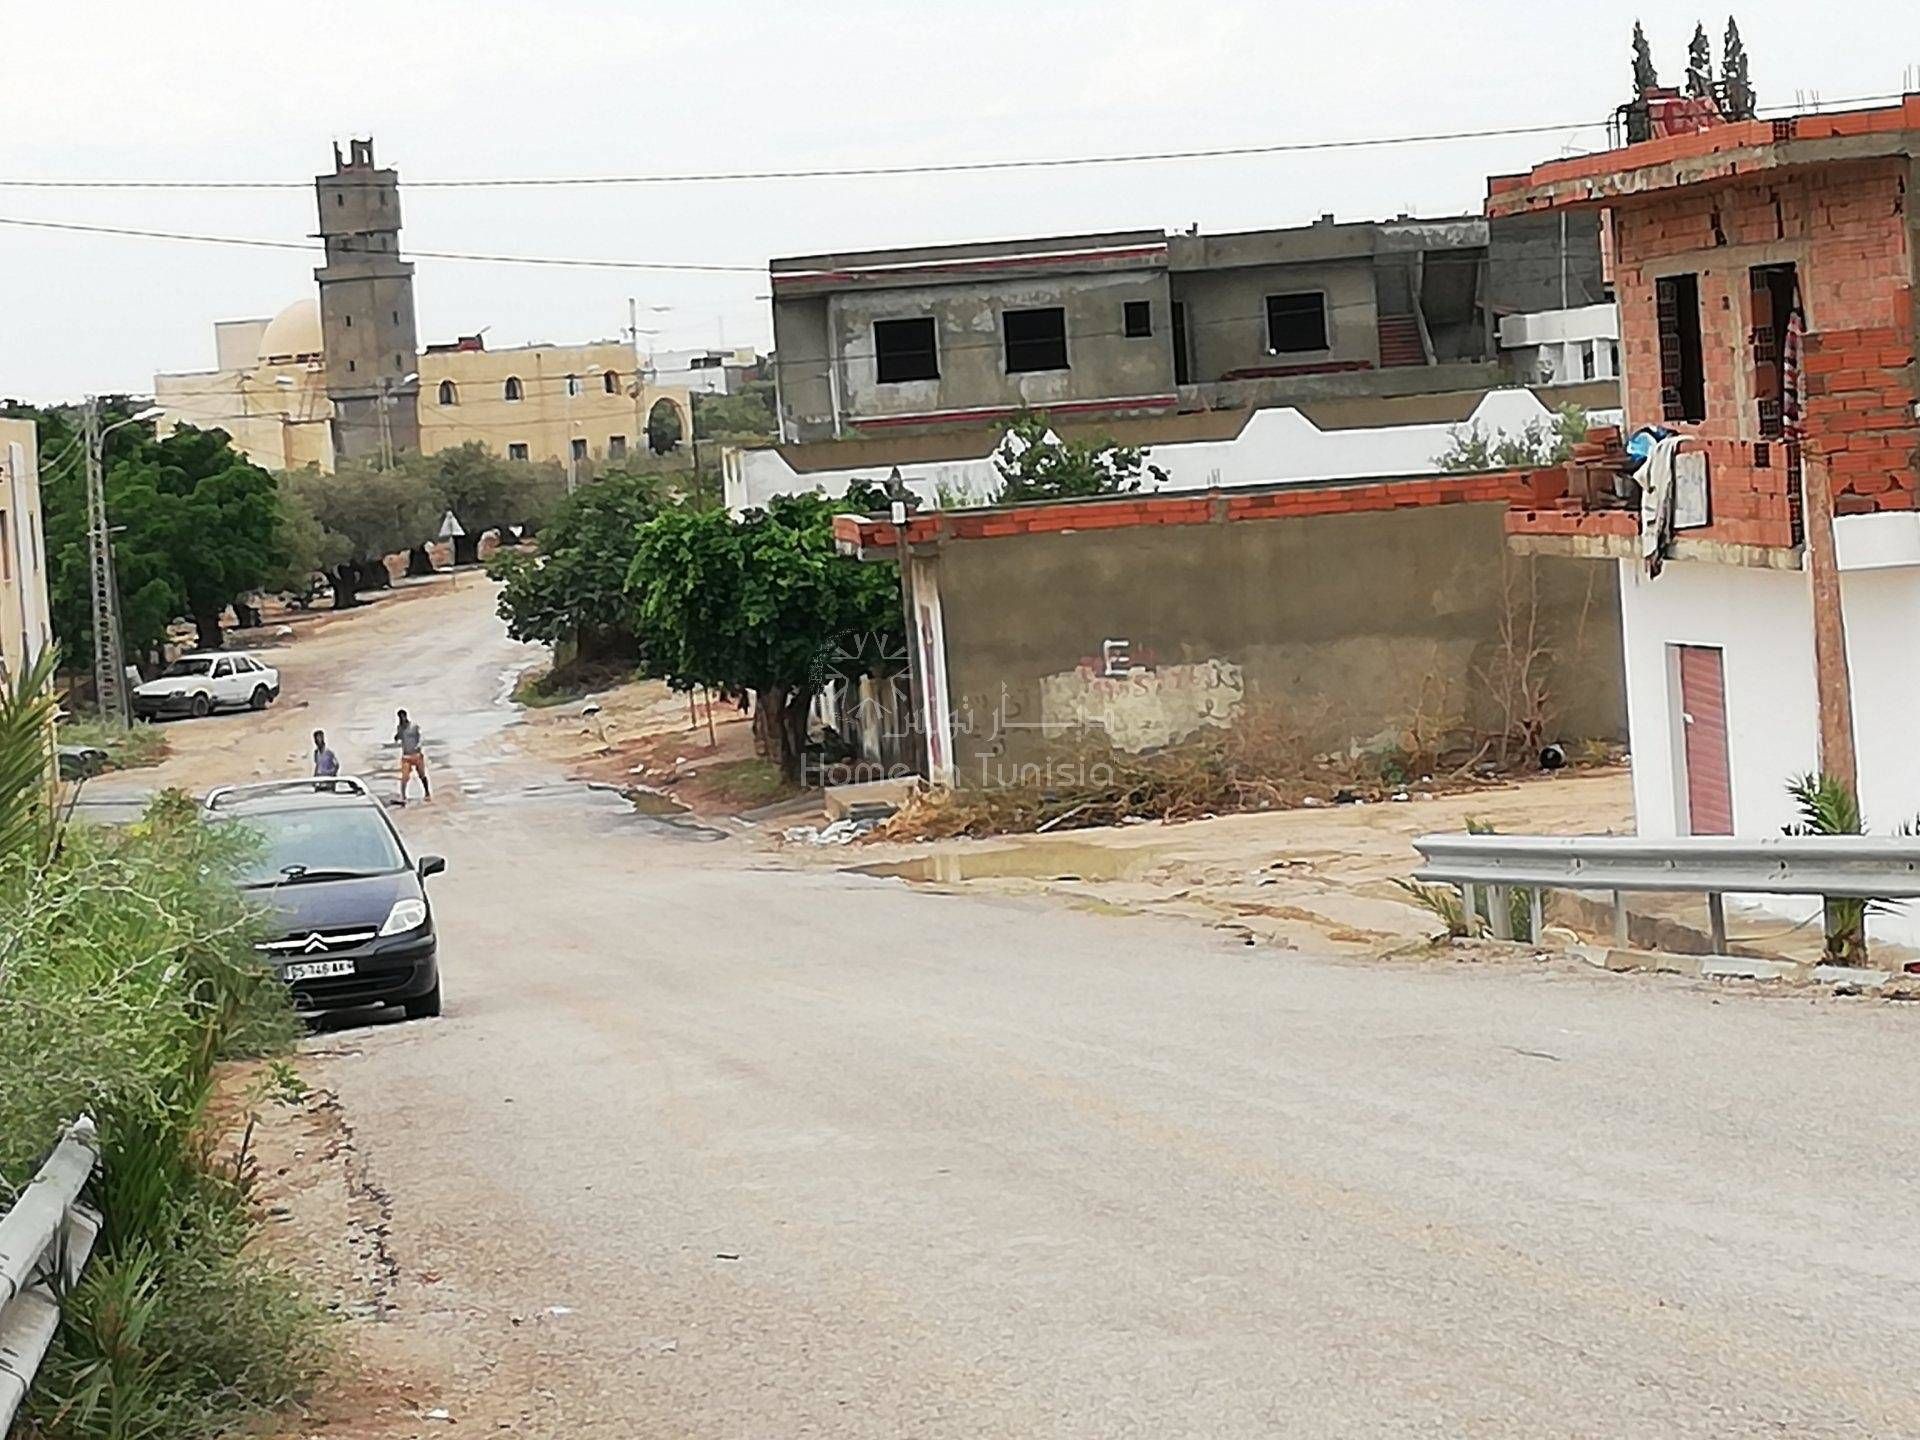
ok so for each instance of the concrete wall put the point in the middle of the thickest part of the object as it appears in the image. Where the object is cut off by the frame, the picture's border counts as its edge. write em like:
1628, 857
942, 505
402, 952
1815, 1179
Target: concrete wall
1349, 624
1274, 445
1227, 314
1103, 363
25, 615
1526, 253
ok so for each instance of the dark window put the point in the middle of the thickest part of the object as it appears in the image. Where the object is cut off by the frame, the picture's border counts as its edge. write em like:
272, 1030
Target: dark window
1773, 290
1683, 381
616, 447
1138, 319
349, 322
513, 390
1296, 322
579, 449
1036, 339
448, 394
904, 350
610, 382
396, 317
573, 384
516, 452
1182, 367
349, 367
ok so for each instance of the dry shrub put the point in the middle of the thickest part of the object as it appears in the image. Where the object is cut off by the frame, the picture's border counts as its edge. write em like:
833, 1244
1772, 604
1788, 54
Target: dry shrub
1262, 762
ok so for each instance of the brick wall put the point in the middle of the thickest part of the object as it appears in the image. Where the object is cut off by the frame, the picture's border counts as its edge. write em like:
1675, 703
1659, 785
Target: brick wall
1845, 228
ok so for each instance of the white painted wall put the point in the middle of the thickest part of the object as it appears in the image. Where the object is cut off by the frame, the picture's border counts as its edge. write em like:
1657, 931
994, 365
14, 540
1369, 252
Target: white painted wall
1277, 446
1564, 347
1763, 621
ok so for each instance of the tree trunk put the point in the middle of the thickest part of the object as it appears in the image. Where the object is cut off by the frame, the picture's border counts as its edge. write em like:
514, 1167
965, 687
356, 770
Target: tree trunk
466, 549
419, 561
206, 631
346, 586
374, 575
780, 729
246, 617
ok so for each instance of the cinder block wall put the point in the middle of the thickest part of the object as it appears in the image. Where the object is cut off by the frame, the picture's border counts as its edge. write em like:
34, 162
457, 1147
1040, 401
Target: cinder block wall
1349, 624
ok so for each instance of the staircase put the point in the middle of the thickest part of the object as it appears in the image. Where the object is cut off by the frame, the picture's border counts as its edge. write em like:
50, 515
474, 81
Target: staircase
1400, 341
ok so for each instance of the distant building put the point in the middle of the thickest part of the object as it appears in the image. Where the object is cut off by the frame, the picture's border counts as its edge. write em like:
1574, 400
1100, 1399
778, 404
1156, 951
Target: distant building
26, 624
703, 372
341, 377
1140, 322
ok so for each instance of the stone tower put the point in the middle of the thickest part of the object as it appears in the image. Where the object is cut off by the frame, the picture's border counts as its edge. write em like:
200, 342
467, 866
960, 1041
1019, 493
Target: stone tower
366, 310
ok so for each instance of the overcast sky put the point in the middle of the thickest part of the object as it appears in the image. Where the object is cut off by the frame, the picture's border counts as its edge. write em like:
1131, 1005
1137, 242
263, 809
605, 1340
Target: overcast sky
204, 89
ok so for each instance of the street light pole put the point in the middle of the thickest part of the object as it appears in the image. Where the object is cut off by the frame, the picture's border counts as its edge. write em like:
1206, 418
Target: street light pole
109, 651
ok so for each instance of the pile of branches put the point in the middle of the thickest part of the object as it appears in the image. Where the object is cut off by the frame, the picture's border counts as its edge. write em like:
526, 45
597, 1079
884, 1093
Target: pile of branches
1260, 763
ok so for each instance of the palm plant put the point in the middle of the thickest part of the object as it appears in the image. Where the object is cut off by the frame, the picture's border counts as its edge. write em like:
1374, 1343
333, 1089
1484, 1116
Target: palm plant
1828, 806
29, 808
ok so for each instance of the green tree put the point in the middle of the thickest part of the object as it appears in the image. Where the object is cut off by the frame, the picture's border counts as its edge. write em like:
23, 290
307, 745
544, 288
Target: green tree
664, 428
1537, 443
748, 413
1645, 77
486, 491
574, 590
761, 603
1740, 102
374, 513
1034, 464
217, 515
1700, 65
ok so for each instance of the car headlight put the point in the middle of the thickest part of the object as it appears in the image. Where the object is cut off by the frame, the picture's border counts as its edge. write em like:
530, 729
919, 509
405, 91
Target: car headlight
405, 915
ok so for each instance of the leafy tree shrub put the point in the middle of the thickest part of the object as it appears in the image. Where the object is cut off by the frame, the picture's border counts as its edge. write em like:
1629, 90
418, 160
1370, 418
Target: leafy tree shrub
1035, 464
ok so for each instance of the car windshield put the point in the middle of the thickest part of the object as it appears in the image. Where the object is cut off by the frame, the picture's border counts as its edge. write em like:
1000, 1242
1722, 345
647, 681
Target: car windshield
190, 665
298, 846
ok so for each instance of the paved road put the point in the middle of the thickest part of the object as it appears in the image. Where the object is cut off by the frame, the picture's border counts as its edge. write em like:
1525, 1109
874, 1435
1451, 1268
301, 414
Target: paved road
806, 1153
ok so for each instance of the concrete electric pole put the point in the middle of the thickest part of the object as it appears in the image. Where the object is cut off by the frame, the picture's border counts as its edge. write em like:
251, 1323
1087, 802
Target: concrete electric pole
109, 652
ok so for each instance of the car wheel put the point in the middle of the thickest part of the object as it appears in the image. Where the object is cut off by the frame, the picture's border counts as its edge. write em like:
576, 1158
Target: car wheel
202, 706
424, 1007
260, 697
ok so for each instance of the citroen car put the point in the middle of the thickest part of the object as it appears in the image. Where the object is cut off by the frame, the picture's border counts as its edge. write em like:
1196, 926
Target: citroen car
350, 923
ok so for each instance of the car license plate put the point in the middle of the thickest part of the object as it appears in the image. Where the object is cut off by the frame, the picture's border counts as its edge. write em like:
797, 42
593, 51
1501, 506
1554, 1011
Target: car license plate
318, 969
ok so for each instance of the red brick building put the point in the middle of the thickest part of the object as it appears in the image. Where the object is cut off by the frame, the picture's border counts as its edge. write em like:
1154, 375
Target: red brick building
1765, 273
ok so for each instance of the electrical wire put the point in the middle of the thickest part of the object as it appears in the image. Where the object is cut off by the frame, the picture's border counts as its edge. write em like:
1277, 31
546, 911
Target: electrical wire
261, 243
952, 167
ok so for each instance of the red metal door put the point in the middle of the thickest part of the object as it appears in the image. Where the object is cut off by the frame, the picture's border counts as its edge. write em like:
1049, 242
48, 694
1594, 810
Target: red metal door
1703, 718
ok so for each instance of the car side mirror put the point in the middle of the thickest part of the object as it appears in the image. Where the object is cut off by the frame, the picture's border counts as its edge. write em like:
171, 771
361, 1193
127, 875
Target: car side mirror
432, 865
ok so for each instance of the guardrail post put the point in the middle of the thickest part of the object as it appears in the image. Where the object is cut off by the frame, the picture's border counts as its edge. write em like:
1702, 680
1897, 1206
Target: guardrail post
1536, 912
1500, 908
1621, 938
1470, 907
1717, 921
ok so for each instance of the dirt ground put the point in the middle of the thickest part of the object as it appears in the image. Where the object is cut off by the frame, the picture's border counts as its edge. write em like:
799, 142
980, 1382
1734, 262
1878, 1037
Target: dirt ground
1317, 879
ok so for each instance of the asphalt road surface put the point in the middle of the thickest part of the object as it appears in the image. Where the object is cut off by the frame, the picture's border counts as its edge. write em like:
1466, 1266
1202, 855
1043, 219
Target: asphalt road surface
708, 1146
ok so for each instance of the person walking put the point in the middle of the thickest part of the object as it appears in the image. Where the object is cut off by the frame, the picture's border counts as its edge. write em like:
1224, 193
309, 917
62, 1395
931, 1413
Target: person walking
325, 762
412, 762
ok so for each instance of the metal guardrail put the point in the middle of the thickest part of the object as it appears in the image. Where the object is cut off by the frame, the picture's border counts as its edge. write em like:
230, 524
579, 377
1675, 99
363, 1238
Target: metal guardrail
46, 1236
1854, 866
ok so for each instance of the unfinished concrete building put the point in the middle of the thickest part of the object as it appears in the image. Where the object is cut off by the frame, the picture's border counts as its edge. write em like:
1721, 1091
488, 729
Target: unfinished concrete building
1140, 322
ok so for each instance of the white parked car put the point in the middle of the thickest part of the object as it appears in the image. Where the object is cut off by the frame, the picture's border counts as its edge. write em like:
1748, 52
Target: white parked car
200, 683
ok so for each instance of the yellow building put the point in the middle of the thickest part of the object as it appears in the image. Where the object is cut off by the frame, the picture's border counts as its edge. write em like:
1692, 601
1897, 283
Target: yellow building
578, 403
584, 403
26, 625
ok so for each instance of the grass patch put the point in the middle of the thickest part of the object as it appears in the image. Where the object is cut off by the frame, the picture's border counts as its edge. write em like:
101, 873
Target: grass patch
556, 685
128, 747
127, 977
747, 783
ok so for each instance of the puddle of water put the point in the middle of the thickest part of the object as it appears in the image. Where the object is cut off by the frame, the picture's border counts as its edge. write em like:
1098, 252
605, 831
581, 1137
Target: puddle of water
648, 801
1063, 860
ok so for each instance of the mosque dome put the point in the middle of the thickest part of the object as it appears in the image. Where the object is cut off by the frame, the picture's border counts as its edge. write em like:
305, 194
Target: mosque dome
293, 334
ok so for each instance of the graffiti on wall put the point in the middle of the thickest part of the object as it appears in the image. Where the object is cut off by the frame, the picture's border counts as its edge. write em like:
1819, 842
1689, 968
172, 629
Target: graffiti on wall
1141, 707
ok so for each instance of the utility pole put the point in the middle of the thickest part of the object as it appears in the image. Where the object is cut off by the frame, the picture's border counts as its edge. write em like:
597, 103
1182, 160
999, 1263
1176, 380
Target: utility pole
386, 424
109, 657
1833, 682
902, 502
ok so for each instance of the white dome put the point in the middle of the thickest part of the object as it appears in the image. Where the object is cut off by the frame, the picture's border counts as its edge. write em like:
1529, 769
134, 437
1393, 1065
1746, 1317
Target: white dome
293, 334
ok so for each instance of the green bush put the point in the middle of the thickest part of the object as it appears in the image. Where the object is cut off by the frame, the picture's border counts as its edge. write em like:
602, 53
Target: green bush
127, 974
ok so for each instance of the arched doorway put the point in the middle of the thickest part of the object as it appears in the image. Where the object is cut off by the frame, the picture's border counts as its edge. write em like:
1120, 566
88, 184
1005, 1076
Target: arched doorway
666, 427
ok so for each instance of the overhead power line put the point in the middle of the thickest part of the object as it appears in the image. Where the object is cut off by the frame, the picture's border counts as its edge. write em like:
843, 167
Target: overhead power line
949, 167
261, 243
845, 172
